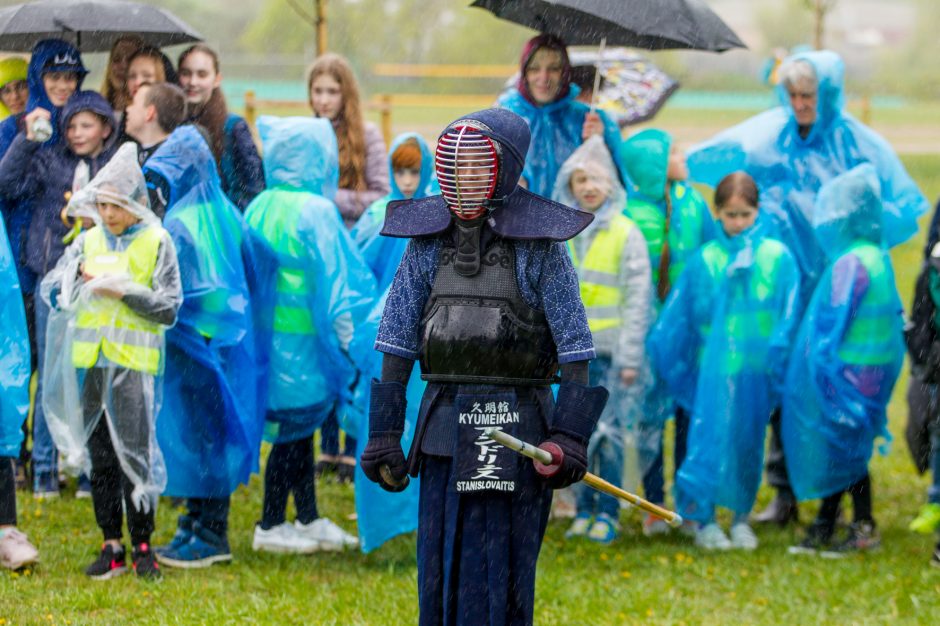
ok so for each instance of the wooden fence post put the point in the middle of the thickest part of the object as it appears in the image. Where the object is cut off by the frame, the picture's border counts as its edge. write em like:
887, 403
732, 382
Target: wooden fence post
251, 110
386, 115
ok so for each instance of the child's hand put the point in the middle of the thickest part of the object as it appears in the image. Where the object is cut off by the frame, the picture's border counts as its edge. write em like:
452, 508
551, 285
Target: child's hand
31, 117
592, 126
109, 292
628, 376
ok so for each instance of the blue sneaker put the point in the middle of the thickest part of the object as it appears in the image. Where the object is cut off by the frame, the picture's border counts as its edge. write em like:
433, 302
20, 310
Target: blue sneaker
604, 529
45, 485
184, 534
83, 491
205, 548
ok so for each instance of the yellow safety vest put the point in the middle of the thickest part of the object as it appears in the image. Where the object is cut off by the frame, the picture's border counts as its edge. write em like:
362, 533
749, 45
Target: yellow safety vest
107, 324
600, 289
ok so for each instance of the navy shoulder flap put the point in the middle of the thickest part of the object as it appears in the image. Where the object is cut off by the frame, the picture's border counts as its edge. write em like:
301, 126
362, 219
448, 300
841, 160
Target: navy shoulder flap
416, 218
525, 215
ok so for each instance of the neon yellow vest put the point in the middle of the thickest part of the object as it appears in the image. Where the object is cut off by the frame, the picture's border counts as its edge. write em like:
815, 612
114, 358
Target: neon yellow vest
597, 273
751, 316
292, 314
109, 325
872, 335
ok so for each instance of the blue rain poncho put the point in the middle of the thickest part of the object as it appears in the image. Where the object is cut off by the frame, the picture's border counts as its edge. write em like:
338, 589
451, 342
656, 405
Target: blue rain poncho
104, 357
789, 170
381, 514
849, 348
721, 344
324, 290
211, 422
383, 254
556, 133
14, 354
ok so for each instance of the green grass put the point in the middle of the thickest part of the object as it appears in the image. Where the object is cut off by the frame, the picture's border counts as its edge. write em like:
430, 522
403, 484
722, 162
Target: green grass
636, 580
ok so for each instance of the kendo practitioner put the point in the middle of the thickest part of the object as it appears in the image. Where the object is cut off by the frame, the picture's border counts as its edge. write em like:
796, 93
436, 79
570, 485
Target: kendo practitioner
487, 298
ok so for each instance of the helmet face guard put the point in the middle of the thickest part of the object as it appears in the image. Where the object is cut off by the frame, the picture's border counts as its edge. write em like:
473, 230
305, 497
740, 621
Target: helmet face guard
467, 164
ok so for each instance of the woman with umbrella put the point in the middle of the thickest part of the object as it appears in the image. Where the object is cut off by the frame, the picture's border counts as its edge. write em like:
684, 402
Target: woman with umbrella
546, 98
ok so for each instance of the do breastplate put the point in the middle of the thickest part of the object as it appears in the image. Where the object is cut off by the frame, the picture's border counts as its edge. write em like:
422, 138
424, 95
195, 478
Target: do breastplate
478, 329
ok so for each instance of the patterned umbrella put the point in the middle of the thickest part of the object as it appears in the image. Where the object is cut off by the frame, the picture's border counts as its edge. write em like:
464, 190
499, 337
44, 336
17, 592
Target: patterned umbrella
632, 90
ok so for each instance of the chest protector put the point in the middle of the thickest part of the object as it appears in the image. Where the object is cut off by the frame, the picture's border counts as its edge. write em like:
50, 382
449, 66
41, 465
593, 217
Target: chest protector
478, 330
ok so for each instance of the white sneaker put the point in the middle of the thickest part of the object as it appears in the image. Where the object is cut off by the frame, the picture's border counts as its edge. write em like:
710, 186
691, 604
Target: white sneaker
15, 549
328, 535
711, 537
743, 537
284, 539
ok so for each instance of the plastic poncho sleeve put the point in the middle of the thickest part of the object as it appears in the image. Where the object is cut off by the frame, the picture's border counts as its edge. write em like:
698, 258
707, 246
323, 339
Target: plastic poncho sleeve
790, 174
674, 343
14, 355
635, 284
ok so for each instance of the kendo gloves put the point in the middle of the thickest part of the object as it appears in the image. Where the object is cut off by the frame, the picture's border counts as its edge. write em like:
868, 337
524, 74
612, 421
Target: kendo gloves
383, 461
576, 413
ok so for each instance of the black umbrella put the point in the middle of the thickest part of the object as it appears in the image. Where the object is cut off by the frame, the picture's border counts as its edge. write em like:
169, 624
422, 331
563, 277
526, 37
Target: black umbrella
92, 25
647, 24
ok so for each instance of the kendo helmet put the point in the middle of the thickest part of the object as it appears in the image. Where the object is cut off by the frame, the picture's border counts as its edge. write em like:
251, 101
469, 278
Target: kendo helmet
479, 159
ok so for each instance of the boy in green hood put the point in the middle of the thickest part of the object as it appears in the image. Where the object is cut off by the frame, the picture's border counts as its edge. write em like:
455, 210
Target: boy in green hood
675, 221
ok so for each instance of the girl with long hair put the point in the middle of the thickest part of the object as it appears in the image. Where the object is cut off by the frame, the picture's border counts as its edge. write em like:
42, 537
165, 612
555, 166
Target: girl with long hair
229, 136
363, 171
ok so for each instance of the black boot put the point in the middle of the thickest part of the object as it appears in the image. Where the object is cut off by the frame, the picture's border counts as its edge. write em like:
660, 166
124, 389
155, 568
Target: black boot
782, 510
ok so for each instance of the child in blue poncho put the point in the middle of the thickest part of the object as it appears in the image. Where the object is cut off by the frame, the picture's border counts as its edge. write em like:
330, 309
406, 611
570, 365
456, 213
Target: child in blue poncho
324, 292
720, 344
846, 359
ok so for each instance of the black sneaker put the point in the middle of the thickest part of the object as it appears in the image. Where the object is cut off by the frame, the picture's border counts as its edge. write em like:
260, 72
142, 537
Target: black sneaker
111, 562
325, 467
345, 472
862, 537
935, 559
818, 539
144, 562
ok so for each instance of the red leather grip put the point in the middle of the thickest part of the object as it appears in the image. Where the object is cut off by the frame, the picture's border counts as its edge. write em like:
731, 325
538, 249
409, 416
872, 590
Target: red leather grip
557, 457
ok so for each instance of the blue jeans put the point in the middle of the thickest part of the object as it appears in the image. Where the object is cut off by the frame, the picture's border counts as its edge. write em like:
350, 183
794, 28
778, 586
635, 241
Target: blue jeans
45, 454
606, 449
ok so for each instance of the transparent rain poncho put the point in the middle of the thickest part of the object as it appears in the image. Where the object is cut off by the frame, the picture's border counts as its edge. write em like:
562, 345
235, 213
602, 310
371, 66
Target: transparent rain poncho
104, 355
324, 290
790, 169
721, 344
14, 354
849, 348
216, 378
381, 514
